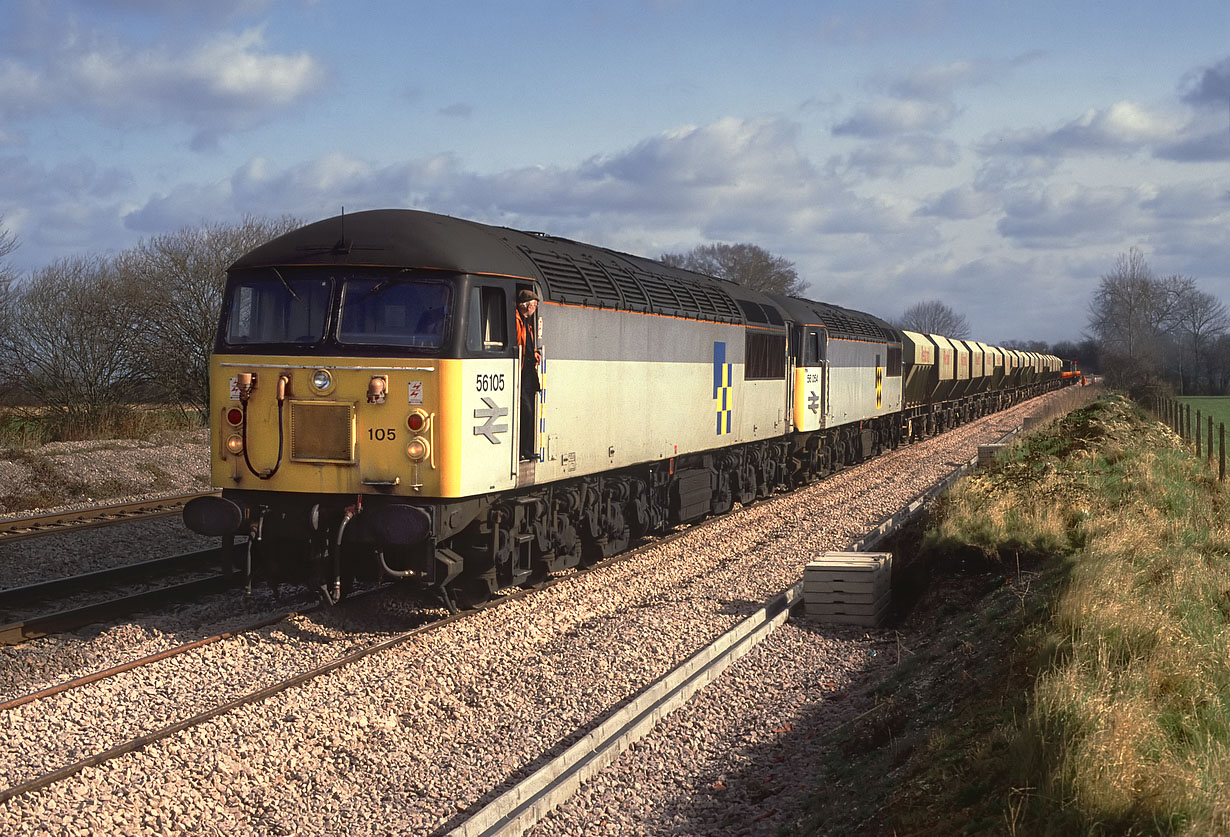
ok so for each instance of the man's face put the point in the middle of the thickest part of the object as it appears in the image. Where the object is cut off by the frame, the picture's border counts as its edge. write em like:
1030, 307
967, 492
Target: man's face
529, 307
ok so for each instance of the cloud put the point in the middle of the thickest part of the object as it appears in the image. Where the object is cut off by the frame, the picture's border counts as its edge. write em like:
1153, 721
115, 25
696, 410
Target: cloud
215, 8
961, 203
1190, 201
940, 81
1069, 215
896, 117
70, 181
733, 179
1198, 145
1208, 87
922, 99
1123, 127
227, 82
457, 110
893, 158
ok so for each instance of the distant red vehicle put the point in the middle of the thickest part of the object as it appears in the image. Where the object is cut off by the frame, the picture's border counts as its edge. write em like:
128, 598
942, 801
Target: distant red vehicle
1071, 374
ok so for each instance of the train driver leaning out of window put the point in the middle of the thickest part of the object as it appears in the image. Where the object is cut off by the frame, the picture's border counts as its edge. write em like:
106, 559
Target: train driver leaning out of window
531, 356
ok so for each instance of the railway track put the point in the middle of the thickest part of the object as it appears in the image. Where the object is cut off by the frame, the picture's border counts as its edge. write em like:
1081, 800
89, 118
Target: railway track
17, 528
41, 597
481, 822
138, 742
258, 695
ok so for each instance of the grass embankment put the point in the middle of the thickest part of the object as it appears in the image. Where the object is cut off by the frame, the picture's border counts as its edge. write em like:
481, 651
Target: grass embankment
25, 427
1072, 668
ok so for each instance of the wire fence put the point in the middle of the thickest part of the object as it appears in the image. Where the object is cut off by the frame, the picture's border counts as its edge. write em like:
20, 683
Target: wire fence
1195, 430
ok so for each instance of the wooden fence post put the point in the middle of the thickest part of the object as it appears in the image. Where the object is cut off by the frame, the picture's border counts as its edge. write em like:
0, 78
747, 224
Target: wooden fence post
1199, 427
1221, 451
1209, 448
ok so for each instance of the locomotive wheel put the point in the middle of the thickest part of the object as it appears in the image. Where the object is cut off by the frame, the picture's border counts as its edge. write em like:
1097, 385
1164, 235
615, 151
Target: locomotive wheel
747, 485
470, 592
538, 576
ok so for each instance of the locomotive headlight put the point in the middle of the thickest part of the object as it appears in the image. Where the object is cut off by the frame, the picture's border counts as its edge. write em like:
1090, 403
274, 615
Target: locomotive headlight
417, 421
418, 449
234, 444
322, 380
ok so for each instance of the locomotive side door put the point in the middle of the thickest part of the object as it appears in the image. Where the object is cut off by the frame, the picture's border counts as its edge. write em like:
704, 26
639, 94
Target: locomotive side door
809, 380
481, 449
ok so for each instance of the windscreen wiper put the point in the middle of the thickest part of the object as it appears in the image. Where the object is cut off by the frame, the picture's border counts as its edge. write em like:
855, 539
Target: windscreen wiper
286, 284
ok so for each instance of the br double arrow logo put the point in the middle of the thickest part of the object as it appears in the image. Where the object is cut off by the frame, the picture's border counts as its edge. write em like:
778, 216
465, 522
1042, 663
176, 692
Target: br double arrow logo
489, 428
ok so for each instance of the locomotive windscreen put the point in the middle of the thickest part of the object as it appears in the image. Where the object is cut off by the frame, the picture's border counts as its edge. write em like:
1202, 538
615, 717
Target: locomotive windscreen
396, 312
371, 309
277, 310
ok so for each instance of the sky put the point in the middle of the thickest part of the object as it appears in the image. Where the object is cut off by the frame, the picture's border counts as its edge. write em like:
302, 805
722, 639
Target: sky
997, 156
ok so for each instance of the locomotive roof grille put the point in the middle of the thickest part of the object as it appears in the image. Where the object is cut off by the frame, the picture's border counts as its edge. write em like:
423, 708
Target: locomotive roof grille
634, 295
661, 295
588, 279
571, 272
721, 302
848, 323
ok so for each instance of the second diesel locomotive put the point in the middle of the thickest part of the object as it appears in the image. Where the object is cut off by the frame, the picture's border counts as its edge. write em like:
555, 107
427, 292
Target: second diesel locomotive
365, 383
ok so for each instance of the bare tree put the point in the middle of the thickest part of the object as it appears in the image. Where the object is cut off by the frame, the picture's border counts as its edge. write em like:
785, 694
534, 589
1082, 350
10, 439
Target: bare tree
746, 264
8, 278
183, 274
933, 317
8, 243
70, 337
1128, 311
1197, 319
1152, 329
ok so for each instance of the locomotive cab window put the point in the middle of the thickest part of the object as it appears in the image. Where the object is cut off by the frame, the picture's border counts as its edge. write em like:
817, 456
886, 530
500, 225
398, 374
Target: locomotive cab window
278, 310
487, 330
395, 312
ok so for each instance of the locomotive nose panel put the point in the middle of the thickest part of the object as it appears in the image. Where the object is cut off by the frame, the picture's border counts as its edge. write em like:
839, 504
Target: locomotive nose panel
322, 432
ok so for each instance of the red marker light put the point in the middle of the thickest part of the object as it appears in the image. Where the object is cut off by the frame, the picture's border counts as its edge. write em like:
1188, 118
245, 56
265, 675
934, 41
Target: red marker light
234, 416
416, 422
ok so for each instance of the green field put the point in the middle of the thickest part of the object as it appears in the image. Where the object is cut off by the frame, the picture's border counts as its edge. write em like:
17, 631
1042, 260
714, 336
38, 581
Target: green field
1216, 406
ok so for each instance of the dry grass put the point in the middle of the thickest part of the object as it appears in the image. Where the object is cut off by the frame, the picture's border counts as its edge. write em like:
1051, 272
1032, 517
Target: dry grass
25, 427
1143, 697
1103, 678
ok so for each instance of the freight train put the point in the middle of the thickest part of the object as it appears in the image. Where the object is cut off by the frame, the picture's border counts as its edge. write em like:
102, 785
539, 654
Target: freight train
380, 408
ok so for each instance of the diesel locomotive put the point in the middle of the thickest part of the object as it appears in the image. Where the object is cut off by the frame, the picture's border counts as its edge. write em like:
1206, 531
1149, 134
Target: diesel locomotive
367, 373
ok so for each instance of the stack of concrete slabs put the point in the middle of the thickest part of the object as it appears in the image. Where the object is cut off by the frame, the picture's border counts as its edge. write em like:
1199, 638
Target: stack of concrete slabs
853, 588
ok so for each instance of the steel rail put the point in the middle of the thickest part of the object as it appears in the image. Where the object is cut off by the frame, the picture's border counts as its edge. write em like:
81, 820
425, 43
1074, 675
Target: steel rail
135, 744
259, 695
550, 783
17, 528
85, 680
68, 585
34, 627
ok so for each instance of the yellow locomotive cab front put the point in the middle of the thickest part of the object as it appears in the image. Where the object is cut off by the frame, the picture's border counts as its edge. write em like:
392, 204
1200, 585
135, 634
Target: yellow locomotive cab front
356, 411
329, 426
